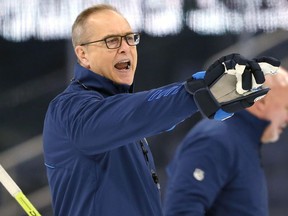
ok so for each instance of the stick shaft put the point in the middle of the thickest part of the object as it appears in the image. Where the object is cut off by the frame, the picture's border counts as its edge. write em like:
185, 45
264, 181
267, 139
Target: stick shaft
16, 192
26, 205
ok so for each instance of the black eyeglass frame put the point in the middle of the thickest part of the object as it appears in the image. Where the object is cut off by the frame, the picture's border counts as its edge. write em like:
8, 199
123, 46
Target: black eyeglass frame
115, 36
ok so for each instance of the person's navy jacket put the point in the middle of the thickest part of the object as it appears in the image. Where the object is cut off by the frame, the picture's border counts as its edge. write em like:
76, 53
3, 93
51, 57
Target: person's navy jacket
217, 170
94, 141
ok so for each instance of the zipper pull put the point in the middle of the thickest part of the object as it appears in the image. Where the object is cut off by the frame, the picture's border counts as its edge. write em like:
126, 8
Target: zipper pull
156, 179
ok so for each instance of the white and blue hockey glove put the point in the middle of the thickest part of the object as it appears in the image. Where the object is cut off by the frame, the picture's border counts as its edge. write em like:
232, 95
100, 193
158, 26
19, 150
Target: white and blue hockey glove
230, 84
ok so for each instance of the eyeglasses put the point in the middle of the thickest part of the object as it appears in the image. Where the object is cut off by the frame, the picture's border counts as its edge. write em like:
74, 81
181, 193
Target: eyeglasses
114, 42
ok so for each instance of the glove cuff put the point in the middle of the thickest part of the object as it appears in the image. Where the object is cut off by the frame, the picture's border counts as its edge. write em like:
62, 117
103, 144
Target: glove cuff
204, 99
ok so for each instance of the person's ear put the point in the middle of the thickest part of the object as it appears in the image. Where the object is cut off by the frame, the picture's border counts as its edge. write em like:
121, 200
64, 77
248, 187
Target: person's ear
81, 54
259, 108
260, 105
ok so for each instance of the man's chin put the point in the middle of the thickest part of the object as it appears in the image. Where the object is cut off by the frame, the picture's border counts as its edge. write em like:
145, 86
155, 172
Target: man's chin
271, 139
126, 81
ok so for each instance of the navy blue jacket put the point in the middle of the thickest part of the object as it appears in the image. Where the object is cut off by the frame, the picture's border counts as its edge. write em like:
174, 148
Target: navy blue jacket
94, 142
217, 170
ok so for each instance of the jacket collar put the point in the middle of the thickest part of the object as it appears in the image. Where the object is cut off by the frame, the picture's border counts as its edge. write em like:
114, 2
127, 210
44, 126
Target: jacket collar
96, 82
252, 123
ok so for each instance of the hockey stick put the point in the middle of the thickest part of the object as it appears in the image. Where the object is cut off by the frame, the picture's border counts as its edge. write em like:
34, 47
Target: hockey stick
16, 192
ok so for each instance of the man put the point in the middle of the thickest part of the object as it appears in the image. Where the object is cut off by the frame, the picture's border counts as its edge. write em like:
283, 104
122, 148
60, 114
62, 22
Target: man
98, 161
217, 169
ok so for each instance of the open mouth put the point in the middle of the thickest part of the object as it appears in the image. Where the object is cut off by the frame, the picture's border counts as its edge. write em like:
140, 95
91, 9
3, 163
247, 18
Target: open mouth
123, 65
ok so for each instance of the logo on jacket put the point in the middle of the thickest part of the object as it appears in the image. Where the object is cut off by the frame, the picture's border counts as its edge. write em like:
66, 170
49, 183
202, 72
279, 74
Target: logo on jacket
159, 93
199, 174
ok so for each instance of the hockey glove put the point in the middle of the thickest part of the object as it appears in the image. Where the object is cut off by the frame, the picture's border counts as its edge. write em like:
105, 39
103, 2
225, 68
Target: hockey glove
230, 84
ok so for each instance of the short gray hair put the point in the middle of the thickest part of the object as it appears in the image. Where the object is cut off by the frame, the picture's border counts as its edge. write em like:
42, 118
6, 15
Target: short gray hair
79, 30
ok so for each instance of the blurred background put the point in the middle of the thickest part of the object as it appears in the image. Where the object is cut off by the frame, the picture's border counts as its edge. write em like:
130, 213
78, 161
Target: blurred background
178, 38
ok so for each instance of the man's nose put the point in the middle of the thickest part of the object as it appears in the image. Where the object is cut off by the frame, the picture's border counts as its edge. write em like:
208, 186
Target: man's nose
124, 45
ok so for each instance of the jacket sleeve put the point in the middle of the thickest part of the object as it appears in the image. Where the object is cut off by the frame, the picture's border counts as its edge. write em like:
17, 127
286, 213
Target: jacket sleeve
99, 124
196, 176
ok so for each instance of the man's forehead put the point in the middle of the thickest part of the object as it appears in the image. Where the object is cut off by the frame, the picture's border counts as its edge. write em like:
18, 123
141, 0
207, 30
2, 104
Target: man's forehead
108, 23
278, 80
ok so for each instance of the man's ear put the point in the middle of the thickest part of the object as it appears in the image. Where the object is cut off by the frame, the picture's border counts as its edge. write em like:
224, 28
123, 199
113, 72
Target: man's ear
81, 54
258, 108
260, 104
